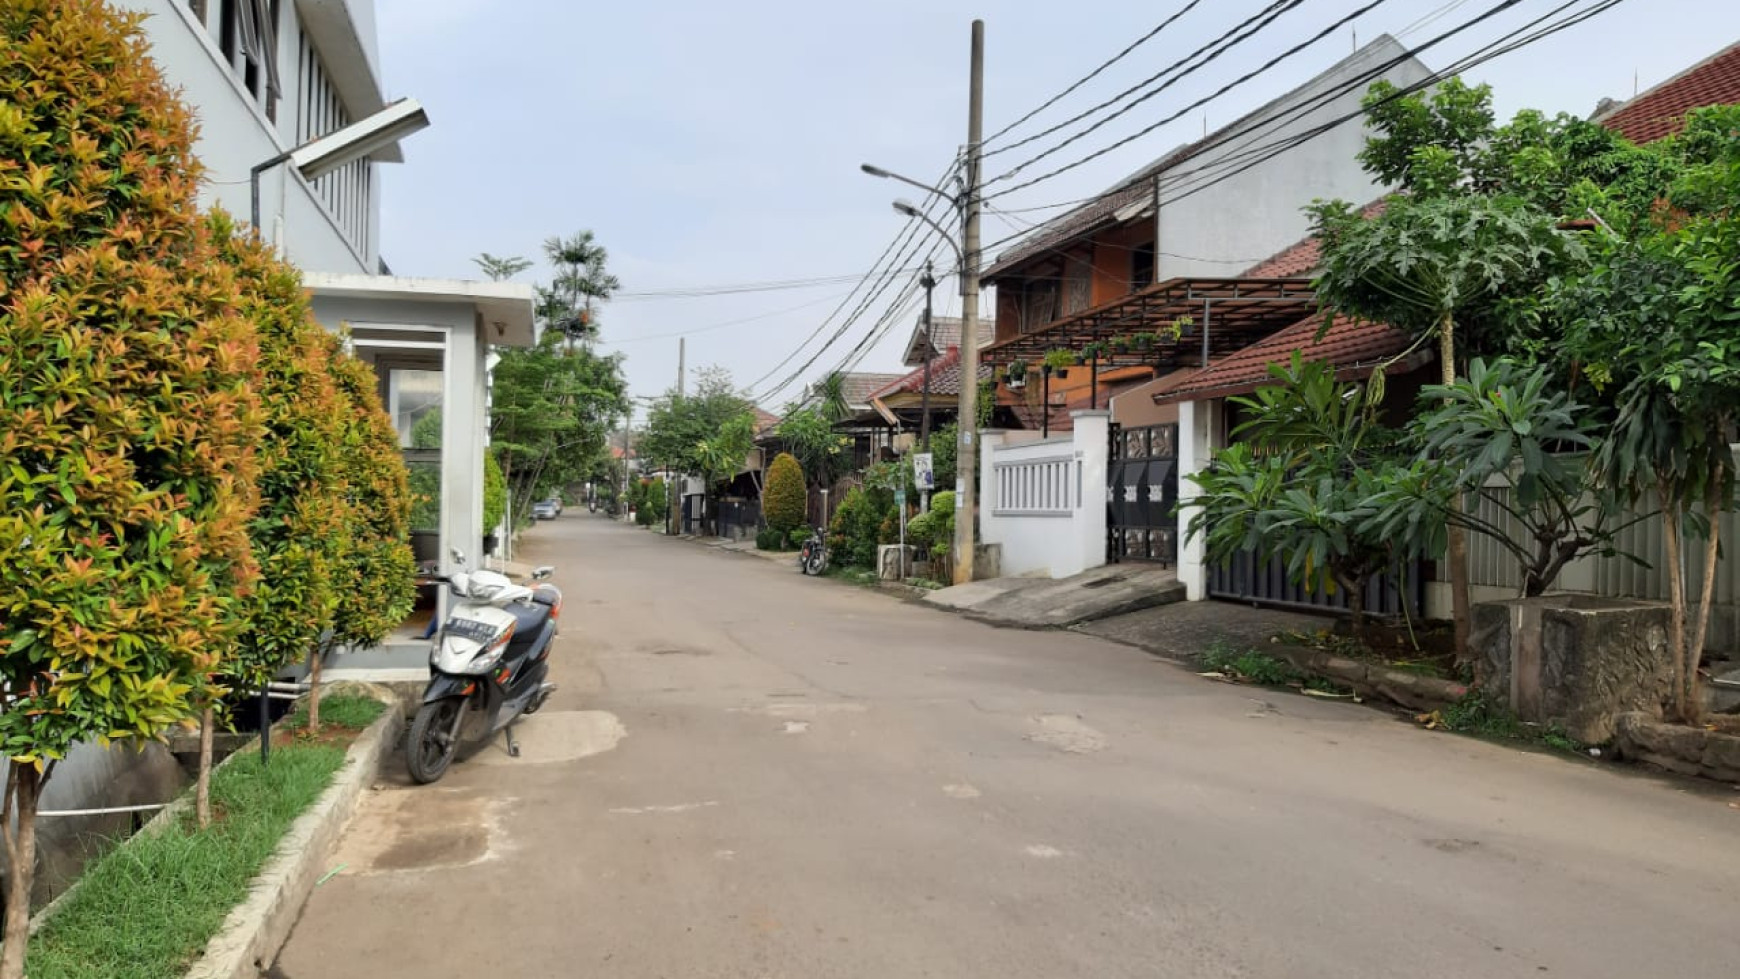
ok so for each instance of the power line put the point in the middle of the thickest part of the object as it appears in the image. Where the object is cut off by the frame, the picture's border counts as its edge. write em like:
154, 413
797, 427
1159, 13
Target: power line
1090, 76
719, 326
731, 289
904, 234
1480, 56
1247, 76
1182, 68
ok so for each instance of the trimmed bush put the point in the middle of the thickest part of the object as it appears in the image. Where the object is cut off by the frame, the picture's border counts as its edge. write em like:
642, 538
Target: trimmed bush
785, 501
798, 537
129, 415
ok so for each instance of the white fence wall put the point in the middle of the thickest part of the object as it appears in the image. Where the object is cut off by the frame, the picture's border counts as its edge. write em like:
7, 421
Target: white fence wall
1044, 502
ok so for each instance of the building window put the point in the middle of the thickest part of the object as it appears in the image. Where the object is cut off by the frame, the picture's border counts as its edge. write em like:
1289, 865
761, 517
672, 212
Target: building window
247, 34
348, 191
1142, 267
1078, 284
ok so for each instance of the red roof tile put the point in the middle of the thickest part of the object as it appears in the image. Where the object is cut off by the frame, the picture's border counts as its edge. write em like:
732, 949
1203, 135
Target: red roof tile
1353, 346
945, 377
1661, 111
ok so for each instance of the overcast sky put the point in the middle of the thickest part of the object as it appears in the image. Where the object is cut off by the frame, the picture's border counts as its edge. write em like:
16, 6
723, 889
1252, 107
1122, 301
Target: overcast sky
711, 144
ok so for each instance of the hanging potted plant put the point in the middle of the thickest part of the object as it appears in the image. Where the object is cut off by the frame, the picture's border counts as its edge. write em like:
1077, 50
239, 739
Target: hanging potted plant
1121, 344
1183, 326
1144, 341
1094, 351
1059, 362
1015, 375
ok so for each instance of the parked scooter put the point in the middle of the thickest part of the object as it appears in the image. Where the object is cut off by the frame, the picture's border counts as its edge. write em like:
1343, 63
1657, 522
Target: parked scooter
488, 666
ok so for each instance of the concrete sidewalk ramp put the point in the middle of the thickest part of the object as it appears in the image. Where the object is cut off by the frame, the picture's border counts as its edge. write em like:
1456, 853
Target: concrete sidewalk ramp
1047, 603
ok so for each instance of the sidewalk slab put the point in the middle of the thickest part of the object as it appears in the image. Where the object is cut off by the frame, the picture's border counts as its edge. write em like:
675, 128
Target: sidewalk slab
1047, 603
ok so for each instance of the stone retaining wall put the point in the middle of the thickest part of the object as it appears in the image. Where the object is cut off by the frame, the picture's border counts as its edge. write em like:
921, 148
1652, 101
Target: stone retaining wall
1679, 748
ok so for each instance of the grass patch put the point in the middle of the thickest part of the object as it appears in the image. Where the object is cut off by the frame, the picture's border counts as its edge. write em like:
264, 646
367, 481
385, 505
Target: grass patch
146, 910
344, 710
1476, 716
1252, 666
856, 576
927, 584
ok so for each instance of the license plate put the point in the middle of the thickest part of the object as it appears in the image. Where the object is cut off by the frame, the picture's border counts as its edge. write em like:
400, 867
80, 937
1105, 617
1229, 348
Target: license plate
470, 629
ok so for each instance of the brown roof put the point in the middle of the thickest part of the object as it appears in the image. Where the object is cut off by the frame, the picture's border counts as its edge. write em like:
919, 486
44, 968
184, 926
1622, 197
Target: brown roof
1661, 111
765, 421
945, 333
858, 388
945, 378
1354, 347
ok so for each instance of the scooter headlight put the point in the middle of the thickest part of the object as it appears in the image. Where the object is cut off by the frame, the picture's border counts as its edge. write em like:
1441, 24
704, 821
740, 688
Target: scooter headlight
491, 654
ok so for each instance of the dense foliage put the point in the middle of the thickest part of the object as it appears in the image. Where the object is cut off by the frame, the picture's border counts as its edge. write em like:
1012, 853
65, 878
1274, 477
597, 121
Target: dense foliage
708, 432
129, 417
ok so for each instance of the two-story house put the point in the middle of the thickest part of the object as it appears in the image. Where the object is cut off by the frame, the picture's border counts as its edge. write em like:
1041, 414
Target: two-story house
1148, 270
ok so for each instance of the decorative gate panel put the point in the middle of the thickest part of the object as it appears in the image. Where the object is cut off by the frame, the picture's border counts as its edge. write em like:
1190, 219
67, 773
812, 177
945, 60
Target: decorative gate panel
1142, 493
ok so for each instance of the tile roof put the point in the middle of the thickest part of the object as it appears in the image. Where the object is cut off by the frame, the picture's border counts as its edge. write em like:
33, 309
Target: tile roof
858, 387
1661, 111
945, 377
946, 333
765, 421
1353, 346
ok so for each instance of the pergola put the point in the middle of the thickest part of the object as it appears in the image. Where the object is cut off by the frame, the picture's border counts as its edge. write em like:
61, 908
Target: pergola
1225, 315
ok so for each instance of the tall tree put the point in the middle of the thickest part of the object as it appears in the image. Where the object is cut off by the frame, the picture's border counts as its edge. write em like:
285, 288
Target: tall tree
1652, 325
554, 403
709, 432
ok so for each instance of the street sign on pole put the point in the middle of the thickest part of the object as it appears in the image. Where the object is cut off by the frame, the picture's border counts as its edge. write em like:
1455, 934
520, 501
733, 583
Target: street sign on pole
922, 474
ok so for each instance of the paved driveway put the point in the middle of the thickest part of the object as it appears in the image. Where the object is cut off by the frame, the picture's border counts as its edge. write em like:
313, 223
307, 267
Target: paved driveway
748, 773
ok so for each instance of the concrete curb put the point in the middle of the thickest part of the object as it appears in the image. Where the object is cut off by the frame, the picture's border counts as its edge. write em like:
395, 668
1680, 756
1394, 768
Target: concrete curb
256, 929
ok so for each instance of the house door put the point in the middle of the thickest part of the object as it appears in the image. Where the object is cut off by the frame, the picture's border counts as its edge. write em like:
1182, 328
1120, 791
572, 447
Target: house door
1141, 494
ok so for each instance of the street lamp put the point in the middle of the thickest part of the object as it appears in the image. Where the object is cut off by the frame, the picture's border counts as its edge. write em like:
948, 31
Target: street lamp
967, 254
319, 157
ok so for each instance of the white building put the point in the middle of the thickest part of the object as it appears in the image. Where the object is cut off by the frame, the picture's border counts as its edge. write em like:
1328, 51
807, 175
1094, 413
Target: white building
264, 76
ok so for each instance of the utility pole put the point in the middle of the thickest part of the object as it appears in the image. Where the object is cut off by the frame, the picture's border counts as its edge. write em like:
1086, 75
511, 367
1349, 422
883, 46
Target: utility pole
674, 490
967, 457
929, 283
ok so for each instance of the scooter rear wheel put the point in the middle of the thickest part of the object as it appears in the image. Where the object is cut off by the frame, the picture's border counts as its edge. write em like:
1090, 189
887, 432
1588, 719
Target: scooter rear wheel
432, 742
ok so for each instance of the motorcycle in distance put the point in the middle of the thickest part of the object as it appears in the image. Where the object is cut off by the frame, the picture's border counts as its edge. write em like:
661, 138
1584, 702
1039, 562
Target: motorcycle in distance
813, 558
488, 666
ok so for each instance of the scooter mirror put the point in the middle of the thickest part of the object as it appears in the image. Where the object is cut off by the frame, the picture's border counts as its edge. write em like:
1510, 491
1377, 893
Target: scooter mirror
458, 556
542, 572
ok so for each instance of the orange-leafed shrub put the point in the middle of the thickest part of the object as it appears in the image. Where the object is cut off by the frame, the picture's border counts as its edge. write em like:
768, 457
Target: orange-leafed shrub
128, 415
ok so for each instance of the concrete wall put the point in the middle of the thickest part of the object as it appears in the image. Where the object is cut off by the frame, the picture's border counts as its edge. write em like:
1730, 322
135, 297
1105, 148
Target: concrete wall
235, 135
1250, 216
1044, 501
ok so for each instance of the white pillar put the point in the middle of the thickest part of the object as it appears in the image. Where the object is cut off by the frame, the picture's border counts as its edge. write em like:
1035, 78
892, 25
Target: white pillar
1195, 446
463, 432
990, 528
1092, 435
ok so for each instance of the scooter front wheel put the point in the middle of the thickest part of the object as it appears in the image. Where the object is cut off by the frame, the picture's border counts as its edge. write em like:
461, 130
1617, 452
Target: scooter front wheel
433, 739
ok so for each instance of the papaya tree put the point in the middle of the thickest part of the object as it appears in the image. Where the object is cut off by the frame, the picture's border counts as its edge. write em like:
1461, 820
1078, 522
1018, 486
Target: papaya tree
128, 414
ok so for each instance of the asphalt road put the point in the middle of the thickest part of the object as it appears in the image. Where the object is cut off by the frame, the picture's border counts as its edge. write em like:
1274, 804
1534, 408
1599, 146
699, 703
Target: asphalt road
748, 773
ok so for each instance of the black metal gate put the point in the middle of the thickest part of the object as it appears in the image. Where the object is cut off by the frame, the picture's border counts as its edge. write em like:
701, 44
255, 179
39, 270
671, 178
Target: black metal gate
1141, 494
